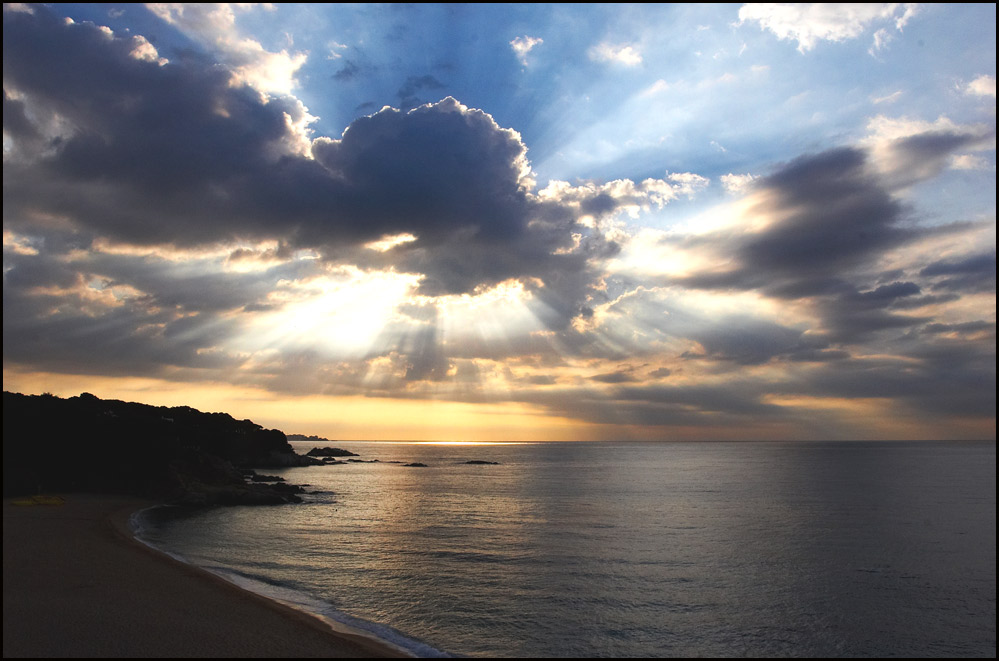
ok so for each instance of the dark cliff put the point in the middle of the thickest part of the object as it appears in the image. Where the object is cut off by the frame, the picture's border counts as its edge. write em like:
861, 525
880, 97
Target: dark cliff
89, 444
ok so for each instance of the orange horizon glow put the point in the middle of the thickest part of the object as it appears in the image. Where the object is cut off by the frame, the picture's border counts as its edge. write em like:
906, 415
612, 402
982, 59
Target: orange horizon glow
440, 422
356, 417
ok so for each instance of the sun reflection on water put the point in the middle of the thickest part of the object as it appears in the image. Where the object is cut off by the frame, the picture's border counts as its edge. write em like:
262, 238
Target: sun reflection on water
459, 442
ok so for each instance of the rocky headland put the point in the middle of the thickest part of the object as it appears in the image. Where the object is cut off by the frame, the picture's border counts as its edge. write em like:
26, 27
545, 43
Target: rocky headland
177, 454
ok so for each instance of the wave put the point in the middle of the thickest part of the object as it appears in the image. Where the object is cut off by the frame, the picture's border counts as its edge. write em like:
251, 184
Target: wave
141, 525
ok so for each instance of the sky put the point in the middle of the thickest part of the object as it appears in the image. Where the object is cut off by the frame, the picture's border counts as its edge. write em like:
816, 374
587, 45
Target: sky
508, 222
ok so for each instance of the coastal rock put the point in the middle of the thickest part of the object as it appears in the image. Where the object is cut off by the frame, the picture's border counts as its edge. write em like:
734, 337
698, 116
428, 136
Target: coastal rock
284, 460
416, 464
266, 478
330, 452
482, 462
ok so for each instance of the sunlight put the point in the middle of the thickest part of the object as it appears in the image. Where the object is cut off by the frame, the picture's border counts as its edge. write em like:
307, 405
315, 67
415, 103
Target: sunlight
339, 315
388, 242
493, 315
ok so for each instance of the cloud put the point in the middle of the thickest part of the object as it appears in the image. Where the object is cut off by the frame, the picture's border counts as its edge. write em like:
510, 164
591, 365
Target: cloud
808, 24
593, 199
17, 124
984, 85
59, 315
214, 26
827, 215
943, 379
523, 45
170, 219
408, 91
334, 48
194, 159
165, 165
146, 51
655, 88
907, 151
969, 162
817, 230
623, 54
812, 231
451, 177
749, 341
890, 98
622, 376
881, 40
348, 71
975, 273
737, 183
22, 7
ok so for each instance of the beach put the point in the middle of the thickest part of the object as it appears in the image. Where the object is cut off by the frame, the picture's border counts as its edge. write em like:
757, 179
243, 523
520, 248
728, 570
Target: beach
76, 583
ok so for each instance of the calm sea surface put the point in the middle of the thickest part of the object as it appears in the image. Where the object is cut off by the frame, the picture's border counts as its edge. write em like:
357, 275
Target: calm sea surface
631, 549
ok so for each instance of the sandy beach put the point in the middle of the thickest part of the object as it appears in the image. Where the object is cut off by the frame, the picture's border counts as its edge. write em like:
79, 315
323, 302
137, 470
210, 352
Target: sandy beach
75, 583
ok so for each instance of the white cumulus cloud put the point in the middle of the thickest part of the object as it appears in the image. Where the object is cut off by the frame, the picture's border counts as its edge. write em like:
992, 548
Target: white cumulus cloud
523, 45
214, 26
623, 54
808, 24
736, 183
982, 86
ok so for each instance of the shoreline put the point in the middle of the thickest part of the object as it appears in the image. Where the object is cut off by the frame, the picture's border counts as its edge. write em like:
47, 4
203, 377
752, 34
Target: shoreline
77, 582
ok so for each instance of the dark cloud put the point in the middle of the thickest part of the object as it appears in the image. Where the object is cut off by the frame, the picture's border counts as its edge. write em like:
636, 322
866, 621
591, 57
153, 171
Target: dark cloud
92, 312
408, 93
827, 218
16, 122
661, 405
200, 285
946, 378
621, 376
924, 155
970, 327
831, 215
349, 71
176, 154
914, 302
454, 179
887, 294
432, 169
976, 273
736, 403
749, 341
67, 332
146, 153
818, 355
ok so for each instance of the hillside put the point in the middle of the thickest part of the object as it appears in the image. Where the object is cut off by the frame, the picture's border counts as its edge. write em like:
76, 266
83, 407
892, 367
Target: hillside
109, 446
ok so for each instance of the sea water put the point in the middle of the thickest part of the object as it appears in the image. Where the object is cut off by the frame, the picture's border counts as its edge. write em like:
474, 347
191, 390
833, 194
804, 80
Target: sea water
630, 549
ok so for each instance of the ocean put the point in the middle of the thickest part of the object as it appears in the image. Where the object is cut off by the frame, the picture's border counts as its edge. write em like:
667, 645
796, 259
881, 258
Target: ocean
628, 549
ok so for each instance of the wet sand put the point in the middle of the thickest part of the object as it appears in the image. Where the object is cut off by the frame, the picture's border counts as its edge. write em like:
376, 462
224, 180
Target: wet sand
75, 583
